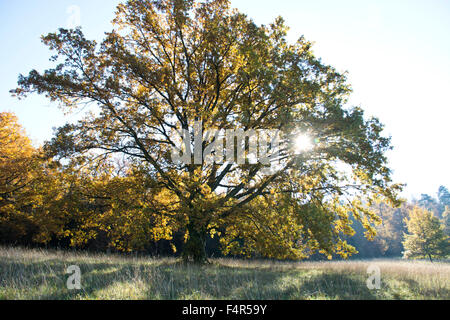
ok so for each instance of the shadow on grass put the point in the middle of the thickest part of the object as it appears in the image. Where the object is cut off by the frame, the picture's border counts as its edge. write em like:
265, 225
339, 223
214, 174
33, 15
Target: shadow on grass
338, 286
243, 283
415, 289
46, 279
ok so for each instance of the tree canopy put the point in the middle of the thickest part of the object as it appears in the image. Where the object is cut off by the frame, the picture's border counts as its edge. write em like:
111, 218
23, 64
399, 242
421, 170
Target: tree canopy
170, 64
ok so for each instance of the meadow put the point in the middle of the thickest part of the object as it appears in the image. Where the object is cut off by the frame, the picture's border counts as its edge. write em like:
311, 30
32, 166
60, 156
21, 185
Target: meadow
35, 274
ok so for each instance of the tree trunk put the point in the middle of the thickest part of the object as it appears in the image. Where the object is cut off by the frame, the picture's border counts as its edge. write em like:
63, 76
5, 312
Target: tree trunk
194, 250
429, 256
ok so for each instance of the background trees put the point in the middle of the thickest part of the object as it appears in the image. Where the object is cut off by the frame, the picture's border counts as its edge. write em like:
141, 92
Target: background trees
111, 205
388, 241
31, 189
18, 161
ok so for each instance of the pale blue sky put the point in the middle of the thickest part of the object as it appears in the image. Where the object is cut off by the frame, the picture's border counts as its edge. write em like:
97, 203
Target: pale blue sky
397, 54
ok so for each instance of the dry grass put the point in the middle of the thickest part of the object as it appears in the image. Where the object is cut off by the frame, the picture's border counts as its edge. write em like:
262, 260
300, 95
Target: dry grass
39, 274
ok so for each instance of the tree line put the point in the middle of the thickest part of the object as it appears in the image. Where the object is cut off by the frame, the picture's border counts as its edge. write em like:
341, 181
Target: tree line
419, 228
108, 208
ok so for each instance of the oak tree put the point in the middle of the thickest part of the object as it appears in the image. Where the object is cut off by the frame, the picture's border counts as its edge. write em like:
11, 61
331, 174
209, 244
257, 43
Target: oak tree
171, 64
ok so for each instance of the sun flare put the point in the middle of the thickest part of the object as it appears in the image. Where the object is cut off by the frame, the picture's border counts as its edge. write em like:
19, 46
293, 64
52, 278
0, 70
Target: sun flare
303, 143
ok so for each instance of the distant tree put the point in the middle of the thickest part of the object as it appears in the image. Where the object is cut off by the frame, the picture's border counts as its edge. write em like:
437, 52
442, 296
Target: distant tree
389, 237
393, 227
446, 218
432, 204
444, 196
367, 248
425, 237
426, 200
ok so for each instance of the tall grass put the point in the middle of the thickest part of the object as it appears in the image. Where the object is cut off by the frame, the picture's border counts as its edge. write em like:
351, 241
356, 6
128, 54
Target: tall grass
40, 274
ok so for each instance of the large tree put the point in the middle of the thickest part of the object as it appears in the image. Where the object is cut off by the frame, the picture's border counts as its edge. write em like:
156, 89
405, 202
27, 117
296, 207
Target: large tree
169, 64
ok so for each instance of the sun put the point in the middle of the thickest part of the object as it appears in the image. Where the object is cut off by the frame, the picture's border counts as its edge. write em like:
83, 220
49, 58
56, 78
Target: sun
303, 143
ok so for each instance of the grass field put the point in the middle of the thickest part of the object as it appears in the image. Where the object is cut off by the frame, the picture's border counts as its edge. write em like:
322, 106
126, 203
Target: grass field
39, 274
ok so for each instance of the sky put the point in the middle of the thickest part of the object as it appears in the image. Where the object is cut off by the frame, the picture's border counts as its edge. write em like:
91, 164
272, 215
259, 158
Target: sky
396, 53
